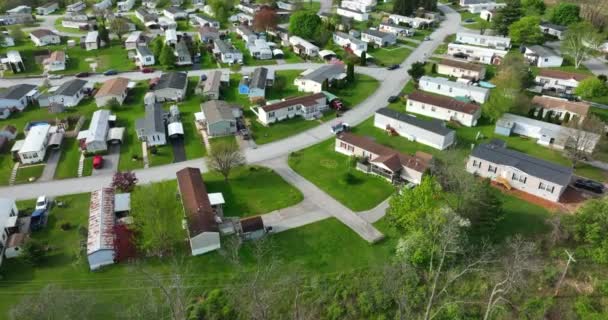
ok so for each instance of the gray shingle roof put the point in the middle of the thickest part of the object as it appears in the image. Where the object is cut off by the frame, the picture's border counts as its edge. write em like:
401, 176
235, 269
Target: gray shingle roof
543, 51
375, 33
217, 110
258, 78
173, 80
16, 92
436, 126
144, 50
553, 26
153, 121
324, 72
70, 88
495, 153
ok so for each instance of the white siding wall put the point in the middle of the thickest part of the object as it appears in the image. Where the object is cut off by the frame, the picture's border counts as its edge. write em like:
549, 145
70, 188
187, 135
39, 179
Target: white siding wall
414, 133
436, 112
458, 72
454, 91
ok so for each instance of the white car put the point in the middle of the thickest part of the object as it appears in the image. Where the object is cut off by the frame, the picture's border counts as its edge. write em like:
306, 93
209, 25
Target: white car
54, 76
42, 203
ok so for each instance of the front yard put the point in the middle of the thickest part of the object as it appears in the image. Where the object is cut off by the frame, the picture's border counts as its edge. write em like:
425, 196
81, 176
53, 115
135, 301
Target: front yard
391, 55
334, 173
25, 173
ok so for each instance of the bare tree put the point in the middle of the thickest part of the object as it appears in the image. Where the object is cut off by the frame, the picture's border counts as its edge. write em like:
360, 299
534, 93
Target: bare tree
563, 276
584, 137
119, 26
230, 250
518, 262
53, 302
581, 42
397, 279
594, 11
224, 157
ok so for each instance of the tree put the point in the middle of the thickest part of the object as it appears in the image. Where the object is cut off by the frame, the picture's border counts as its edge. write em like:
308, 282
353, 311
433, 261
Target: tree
534, 7
305, 24
512, 76
104, 34
363, 59
584, 138
124, 181
157, 46
17, 34
350, 73
33, 252
416, 71
167, 57
581, 42
507, 16
591, 87
214, 305
591, 230
119, 26
404, 7
224, 157
516, 264
221, 9
595, 12
526, 31
158, 218
265, 19
565, 14
53, 302
483, 26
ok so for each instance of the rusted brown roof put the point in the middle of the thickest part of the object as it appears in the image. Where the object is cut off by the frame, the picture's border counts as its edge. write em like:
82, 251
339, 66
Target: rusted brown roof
562, 75
116, 86
304, 100
389, 157
196, 203
55, 56
39, 33
546, 102
443, 102
9, 128
462, 65
252, 224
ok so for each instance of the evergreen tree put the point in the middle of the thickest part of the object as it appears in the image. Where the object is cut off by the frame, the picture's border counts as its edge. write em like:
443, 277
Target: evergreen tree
167, 58
404, 7
506, 16
104, 34
157, 47
363, 59
350, 72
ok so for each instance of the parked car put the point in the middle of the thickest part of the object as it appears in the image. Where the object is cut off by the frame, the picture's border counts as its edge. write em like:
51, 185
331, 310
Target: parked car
469, 20
245, 134
340, 127
38, 220
203, 77
42, 203
393, 99
82, 75
54, 76
460, 55
147, 70
393, 67
110, 72
336, 104
590, 185
427, 38
97, 162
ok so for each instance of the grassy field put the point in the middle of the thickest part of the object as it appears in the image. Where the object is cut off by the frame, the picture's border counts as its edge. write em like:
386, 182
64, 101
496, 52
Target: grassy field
252, 190
68, 162
333, 173
112, 57
61, 28
391, 55
476, 24
26, 172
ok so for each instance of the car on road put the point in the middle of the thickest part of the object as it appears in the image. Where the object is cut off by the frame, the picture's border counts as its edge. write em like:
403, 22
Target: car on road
147, 70
393, 99
427, 38
245, 134
42, 203
97, 162
110, 72
340, 127
469, 20
590, 185
54, 76
82, 75
393, 67
203, 77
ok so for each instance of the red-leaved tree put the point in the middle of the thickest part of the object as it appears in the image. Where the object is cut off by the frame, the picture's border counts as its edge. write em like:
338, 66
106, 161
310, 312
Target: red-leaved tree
124, 181
265, 19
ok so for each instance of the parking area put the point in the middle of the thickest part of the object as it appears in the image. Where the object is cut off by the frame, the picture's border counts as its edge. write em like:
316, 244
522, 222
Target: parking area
179, 150
110, 161
51, 165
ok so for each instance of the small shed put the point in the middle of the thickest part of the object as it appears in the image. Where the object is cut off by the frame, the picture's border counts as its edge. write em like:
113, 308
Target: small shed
122, 203
115, 135
56, 140
217, 203
504, 127
252, 228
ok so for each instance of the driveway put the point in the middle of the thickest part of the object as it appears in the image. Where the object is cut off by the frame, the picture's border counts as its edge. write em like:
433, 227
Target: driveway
110, 161
51, 165
179, 150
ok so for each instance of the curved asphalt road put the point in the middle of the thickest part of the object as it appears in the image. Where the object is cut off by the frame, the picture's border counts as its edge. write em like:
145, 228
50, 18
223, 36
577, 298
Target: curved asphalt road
391, 83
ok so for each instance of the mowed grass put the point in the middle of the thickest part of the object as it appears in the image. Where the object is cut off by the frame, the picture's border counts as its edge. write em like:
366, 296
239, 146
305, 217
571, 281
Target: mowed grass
26, 172
333, 173
69, 160
252, 190
390, 55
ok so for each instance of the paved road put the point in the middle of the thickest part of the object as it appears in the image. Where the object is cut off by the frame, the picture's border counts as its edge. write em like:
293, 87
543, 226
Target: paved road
392, 83
179, 150
51, 165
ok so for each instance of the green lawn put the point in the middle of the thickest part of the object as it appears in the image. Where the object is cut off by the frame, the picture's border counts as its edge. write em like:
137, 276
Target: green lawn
70, 157
330, 171
390, 55
113, 57
61, 28
600, 113
464, 15
252, 190
26, 172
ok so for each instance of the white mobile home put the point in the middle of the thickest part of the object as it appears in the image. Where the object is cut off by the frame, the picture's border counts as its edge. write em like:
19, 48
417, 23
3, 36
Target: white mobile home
542, 57
490, 6
502, 43
443, 108
476, 54
308, 107
303, 47
69, 94
312, 80
100, 236
461, 69
453, 89
354, 14
34, 146
559, 81
433, 133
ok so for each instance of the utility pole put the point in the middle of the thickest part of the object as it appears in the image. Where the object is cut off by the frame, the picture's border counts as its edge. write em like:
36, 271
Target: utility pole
559, 283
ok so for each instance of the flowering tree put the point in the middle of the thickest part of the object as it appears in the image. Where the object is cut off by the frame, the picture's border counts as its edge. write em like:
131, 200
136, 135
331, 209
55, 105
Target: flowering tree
124, 181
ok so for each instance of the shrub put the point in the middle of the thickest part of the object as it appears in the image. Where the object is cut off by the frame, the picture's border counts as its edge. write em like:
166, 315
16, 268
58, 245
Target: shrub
66, 226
